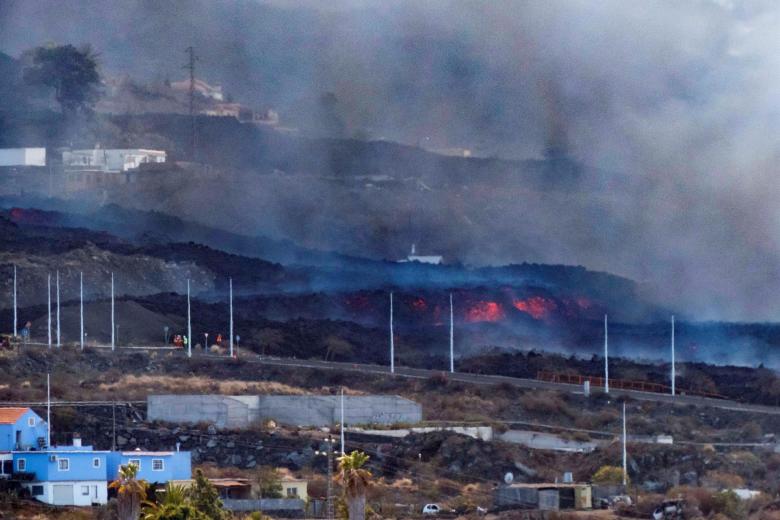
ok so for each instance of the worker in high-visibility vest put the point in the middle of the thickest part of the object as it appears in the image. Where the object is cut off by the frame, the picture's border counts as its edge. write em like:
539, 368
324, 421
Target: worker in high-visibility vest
186, 340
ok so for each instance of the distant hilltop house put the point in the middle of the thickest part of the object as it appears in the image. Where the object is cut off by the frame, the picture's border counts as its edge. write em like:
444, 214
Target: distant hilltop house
110, 160
22, 157
242, 113
423, 259
73, 475
201, 87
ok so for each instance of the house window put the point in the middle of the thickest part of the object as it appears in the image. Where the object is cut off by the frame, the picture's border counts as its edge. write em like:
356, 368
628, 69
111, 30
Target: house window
292, 492
85, 491
63, 464
21, 465
37, 491
137, 462
158, 465
96, 462
31, 421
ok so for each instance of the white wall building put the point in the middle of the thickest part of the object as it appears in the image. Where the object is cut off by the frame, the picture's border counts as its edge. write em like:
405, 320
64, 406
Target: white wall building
423, 259
22, 157
111, 160
69, 493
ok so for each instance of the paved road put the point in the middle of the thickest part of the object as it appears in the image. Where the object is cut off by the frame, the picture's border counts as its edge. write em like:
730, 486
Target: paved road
482, 379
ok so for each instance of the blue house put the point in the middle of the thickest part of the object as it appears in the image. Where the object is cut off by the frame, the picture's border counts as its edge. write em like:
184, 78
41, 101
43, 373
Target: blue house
21, 429
153, 466
71, 475
74, 475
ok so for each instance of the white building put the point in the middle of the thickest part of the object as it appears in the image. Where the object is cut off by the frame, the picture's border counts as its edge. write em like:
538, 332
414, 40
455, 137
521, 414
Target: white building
423, 259
22, 157
110, 160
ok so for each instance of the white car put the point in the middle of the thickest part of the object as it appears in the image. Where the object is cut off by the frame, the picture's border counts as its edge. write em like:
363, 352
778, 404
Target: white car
431, 509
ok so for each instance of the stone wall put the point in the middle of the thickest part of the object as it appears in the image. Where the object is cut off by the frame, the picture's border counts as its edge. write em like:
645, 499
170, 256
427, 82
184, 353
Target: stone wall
299, 410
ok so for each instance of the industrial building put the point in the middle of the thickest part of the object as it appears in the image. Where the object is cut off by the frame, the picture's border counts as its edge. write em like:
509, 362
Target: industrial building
22, 157
110, 160
545, 496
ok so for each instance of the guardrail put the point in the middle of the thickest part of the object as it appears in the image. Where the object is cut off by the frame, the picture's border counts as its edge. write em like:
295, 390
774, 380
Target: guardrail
621, 384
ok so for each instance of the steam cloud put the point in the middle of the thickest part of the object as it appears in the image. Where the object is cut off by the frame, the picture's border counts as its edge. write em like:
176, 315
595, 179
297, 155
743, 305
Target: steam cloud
674, 103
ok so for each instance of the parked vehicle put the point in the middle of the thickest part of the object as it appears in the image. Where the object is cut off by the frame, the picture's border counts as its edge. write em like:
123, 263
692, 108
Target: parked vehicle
669, 510
431, 509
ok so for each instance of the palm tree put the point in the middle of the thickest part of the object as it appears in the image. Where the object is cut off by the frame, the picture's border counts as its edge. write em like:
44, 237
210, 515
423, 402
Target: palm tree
175, 505
355, 480
130, 492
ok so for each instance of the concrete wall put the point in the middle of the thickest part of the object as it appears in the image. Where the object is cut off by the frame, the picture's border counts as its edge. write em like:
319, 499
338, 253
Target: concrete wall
304, 410
546, 441
323, 410
264, 504
484, 433
221, 410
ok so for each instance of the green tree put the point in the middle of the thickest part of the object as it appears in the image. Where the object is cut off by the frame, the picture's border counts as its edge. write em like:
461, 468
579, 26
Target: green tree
269, 482
71, 72
205, 497
355, 479
608, 475
336, 346
130, 492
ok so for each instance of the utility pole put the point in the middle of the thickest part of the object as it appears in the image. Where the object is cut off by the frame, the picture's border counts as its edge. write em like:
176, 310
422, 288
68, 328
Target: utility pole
625, 457
113, 422
113, 329
342, 422
81, 309
48, 411
329, 453
392, 341
606, 357
48, 320
59, 343
674, 376
15, 318
189, 322
191, 68
452, 337
231, 317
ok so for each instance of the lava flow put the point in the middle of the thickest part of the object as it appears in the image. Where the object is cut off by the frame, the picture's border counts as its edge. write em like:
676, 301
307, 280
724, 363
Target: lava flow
485, 311
538, 307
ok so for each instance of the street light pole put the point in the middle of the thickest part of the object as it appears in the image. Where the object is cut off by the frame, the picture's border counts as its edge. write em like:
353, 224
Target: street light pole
329, 453
189, 322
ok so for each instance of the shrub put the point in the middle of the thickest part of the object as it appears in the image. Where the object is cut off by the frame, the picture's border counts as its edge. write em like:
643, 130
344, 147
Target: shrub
728, 503
608, 475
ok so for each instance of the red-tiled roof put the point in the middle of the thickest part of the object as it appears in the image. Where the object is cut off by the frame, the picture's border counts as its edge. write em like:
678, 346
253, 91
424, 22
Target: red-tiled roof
11, 415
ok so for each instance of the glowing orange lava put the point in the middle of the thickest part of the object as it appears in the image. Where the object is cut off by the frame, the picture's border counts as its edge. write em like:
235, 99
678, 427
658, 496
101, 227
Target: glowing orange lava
485, 311
537, 307
419, 305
